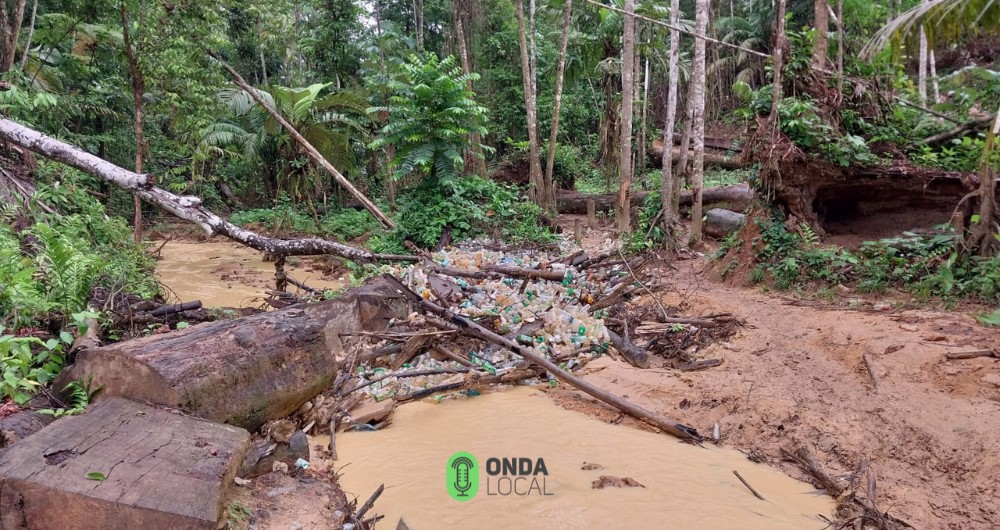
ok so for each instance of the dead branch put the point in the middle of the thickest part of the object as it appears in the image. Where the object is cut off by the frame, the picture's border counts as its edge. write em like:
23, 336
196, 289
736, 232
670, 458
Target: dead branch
475, 330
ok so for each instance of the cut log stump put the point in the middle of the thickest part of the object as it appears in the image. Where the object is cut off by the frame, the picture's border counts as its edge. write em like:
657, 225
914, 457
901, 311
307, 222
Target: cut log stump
721, 223
244, 371
159, 469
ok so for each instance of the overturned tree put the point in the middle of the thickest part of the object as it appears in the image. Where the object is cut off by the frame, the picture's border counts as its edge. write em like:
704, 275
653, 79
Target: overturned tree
734, 197
188, 208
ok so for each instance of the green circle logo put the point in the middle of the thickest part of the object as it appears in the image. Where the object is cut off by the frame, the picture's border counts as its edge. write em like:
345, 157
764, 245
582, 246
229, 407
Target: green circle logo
462, 476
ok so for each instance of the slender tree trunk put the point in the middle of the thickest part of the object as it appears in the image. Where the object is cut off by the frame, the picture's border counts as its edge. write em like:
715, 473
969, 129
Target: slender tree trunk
840, 50
922, 67
639, 153
982, 235
138, 89
475, 162
622, 211
31, 32
668, 193
935, 87
556, 105
643, 132
533, 57
779, 56
822, 24
536, 188
418, 22
390, 150
683, 167
697, 114
10, 28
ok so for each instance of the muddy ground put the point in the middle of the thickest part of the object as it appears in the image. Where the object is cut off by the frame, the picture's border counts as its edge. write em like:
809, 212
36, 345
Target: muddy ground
794, 375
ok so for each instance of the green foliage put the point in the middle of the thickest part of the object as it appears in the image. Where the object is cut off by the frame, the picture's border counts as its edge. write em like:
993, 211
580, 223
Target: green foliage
345, 224
28, 363
637, 241
925, 264
471, 207
800, 120
961, 154
79, 393
431, 116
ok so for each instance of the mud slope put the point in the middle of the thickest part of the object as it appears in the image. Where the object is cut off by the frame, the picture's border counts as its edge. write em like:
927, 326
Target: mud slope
795, 376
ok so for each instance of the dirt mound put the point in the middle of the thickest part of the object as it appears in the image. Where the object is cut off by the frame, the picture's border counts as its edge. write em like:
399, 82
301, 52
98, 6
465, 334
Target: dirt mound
796, 376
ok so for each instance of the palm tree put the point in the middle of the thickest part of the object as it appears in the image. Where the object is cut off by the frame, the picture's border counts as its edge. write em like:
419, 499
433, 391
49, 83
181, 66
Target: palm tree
950, 21
327, 121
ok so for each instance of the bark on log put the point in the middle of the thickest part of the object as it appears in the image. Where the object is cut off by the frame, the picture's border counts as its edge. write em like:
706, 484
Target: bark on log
721, 223
724, 144
244, 371
188, 208
960, 130
735, 197
158, 470
711, 159
22, 424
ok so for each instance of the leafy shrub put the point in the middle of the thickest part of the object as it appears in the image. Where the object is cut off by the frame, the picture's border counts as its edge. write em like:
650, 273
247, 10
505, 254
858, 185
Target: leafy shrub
27, 364
471, 206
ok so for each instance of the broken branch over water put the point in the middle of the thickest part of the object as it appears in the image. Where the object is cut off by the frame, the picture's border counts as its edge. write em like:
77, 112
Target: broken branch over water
473, 329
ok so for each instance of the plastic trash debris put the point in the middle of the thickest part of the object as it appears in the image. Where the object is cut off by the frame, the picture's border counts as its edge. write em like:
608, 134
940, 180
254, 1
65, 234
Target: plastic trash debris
301, 463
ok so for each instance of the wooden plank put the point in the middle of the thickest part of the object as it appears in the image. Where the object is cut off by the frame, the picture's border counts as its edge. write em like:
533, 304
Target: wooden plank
161, 469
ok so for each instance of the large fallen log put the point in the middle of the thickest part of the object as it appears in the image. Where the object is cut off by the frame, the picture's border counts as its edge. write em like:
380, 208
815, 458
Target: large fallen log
188, 208
734, 197
120, 465
475, 330
244, 371
711, 159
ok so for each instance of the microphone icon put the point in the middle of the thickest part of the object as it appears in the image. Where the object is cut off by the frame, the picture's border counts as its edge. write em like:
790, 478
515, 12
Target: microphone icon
463, 482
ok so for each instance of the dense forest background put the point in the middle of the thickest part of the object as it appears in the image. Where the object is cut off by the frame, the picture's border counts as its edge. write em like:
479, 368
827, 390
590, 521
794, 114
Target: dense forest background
465, 118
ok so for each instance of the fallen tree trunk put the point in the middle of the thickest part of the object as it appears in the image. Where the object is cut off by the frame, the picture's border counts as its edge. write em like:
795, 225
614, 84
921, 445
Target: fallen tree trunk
711, 159
244, 371
475, 330
188, 208
714, 143
721, 223
735, 197
308, 147
960, 130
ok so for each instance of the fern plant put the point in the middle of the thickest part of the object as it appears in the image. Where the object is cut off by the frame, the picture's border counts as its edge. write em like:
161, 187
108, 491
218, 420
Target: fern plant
432, 115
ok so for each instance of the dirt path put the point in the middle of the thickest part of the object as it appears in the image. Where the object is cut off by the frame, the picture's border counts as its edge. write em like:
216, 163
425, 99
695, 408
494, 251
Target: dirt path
794, 375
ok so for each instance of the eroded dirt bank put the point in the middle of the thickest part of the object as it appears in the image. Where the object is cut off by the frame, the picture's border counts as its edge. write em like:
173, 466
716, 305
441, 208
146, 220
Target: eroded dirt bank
795, 375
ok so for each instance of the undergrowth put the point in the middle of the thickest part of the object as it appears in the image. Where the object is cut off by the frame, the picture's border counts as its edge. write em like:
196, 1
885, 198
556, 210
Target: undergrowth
925, 264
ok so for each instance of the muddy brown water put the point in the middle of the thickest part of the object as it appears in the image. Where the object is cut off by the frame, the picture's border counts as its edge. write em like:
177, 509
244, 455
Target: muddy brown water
221, 273
685, 486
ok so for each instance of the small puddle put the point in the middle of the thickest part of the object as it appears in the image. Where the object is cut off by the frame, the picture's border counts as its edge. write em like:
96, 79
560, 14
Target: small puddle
225, 274
685, 486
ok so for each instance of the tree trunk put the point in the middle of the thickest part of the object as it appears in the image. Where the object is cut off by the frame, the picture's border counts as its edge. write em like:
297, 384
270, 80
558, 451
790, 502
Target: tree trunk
10, 28
735, 197
932, 67
622, 212
821, 21
187, 208
31, 32
922, 67
536, 188
244, 371
778, 54
550, 197
668, 195
138, 90
983, 233
475, 162
697, 116
840, 50
640, 156
313, 153
418, 23
390, 182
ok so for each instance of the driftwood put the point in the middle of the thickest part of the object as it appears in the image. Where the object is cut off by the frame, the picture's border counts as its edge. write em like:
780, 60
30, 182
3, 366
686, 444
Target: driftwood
632, 353
187, 208
807, 462
475, 330
972, 354
734, 197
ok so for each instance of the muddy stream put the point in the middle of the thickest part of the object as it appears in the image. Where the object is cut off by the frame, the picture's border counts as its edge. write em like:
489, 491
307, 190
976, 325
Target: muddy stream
683, 486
